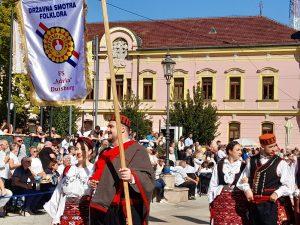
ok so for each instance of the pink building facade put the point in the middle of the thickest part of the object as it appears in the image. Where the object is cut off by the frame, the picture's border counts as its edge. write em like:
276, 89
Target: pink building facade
253, 80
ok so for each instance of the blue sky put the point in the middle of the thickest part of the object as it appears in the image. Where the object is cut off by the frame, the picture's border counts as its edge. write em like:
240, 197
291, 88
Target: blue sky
165, 9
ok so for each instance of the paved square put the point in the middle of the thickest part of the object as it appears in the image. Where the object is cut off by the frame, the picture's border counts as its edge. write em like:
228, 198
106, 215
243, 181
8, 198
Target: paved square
188, 213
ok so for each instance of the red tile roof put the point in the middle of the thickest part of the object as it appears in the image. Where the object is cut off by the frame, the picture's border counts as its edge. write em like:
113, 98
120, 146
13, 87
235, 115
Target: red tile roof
199, 32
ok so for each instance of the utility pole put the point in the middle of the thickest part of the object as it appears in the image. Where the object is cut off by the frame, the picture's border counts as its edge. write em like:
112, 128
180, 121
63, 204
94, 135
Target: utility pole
10, 65
96, 79
51, 119
41, 116
70, 120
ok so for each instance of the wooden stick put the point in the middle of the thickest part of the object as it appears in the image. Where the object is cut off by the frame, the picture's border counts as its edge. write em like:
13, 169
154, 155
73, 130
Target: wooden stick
116, 107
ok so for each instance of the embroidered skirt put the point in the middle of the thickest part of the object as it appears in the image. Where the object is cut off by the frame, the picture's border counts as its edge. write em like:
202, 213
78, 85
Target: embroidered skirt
76, 211
230, 208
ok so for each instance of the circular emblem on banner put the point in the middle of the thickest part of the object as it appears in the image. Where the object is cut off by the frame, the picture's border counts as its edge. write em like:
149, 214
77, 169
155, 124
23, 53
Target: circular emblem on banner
58, 44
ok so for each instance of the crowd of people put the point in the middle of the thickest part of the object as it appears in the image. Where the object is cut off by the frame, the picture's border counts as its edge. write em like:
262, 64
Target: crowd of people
63, 177
190, 163
32, 175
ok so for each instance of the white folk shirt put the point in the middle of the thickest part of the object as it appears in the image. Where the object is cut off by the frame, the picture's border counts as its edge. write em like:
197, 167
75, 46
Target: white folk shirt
229, 170
221, 154
282, 171
74, 184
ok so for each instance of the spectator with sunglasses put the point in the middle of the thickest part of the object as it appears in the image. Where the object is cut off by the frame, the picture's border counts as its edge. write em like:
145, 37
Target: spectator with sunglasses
14, 162
21, 147
36, 164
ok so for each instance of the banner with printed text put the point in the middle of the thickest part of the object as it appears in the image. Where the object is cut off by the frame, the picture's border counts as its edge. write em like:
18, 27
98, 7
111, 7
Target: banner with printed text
55, 50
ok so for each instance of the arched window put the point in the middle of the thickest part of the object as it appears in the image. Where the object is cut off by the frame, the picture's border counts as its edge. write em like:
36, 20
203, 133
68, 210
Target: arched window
206, 79
267, 128
179, 84
235, 84
268, 84
234, 131
147, 84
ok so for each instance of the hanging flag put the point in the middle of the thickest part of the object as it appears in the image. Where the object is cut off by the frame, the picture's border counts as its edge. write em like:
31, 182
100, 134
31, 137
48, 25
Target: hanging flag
18, 51
55, 51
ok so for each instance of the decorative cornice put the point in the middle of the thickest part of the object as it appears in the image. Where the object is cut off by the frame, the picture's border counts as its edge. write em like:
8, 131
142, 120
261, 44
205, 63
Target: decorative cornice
267, 68
234, 69
147, 71
181, 71
206, 70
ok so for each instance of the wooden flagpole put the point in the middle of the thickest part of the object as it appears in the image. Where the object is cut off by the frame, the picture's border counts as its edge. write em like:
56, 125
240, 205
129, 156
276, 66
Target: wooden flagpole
116, 107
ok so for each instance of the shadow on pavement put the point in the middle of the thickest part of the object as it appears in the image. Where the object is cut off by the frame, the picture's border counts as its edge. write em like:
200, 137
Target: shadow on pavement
191, 219
154, 219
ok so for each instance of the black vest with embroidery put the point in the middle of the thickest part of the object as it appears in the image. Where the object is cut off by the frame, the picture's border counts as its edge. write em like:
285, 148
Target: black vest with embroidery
298, 172
263, 179
221, 174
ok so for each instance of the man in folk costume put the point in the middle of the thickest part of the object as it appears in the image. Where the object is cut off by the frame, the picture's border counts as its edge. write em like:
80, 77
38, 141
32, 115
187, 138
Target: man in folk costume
267, 184
297, 192
107, 206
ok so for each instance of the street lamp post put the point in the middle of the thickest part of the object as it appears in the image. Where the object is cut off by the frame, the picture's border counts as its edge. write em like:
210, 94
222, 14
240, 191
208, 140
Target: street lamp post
10, 65
168, 65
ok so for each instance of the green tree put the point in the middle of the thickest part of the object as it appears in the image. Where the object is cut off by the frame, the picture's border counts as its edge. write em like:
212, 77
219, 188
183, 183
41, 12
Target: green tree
21, 99
139, 122
196, 115
5, 20
60, 119
20, 82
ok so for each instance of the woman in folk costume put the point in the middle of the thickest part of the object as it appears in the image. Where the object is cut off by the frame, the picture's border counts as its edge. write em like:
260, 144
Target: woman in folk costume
297, 192
69, 203
228, 205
